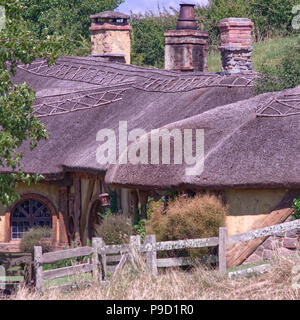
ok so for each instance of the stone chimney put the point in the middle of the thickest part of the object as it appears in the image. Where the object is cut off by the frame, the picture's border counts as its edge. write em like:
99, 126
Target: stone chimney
236, 45
110, 35
186, 48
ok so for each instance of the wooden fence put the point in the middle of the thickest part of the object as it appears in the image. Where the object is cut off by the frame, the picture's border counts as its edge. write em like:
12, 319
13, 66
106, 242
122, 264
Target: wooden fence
110, 258
18, 267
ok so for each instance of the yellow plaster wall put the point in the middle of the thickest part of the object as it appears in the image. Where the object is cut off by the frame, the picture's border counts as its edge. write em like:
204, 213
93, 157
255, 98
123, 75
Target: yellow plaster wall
48, 191
111, 41
248, 206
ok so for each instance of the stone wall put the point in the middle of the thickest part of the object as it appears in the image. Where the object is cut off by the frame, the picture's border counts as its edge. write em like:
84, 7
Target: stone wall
287, 243
236, 45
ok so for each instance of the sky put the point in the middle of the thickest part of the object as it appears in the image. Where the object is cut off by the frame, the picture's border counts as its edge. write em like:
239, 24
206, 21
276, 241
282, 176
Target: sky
137, 6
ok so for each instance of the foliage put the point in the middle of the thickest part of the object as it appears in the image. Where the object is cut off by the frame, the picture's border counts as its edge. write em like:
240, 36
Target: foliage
192, 218
115, 229
38, 236
296, 208
284, 75
140, 228
209, 16
16, 120
148, 40
70, 19
271, 17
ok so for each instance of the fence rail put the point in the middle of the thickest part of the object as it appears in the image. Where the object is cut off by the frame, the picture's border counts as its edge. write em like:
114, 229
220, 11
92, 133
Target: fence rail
110, 258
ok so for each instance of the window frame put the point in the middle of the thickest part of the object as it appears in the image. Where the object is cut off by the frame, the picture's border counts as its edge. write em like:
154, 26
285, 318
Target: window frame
35, 197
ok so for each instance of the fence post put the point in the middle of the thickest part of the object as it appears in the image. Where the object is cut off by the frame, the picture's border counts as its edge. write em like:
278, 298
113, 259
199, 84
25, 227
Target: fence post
151, 256
135, 246
222, 250
95, 244
102, 252
38, 266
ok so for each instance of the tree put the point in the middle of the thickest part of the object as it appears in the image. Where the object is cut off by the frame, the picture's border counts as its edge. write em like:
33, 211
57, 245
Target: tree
148, 40
18, 45
70, 19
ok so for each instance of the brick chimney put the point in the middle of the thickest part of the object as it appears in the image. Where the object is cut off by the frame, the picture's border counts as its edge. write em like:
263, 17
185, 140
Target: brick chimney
110, 35
186, 48
236, 45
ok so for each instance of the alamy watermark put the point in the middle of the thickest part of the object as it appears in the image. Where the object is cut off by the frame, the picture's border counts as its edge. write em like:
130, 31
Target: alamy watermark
2, 18
137, 147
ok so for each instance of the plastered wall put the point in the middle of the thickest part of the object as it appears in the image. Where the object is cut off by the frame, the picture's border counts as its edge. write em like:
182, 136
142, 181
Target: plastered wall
248, 206
111, 41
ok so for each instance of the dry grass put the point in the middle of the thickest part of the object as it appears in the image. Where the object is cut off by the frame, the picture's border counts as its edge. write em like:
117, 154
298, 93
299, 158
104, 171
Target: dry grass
134, 283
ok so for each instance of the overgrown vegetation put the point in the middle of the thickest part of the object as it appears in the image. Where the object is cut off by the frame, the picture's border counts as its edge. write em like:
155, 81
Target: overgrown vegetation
272, 18
115, 229
68, 19
283, 75
134, 282
192, 218
19, 45
296, 208
148, 41
39, 236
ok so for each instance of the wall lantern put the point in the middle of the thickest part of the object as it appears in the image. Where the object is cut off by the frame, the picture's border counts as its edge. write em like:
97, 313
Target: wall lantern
105, 200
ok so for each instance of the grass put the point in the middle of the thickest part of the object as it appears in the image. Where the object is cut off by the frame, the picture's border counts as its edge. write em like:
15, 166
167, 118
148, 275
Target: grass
268, 52
247, 266
134, 282
68, 280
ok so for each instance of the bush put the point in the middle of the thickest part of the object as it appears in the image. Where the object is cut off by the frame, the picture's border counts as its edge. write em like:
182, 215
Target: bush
39, 236
115, 229
148, 40
271, 17
192, 218
284, 75
296, 208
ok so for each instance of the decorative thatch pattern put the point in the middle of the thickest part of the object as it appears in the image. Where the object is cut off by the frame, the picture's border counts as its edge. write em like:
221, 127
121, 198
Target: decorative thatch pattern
191, 83
82, 102
280, 106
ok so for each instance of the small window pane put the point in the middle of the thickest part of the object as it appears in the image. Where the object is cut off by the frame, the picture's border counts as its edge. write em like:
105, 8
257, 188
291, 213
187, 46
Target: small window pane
21, 223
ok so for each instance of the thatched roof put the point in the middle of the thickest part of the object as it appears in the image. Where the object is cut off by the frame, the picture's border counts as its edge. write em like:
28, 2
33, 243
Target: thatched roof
79, 96
248, 144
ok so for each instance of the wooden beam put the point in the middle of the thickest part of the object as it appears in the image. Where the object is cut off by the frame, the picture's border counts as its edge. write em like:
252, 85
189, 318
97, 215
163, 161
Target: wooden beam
77, 209
63, 215
222, 250
67, 271
38, 267
151, 256
239, 252
52, 257
143, 198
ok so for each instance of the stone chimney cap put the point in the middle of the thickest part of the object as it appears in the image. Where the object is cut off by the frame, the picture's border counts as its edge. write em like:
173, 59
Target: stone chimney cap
110, 14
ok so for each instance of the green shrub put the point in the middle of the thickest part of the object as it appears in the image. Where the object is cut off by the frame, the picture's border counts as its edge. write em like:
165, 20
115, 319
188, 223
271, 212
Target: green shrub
296, 208
148, 40
283, 75
115, 229
39, 236
192, 218
271, 17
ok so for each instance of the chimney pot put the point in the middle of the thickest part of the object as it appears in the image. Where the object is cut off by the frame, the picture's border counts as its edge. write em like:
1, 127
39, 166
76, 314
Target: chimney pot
186, 48
186, 18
